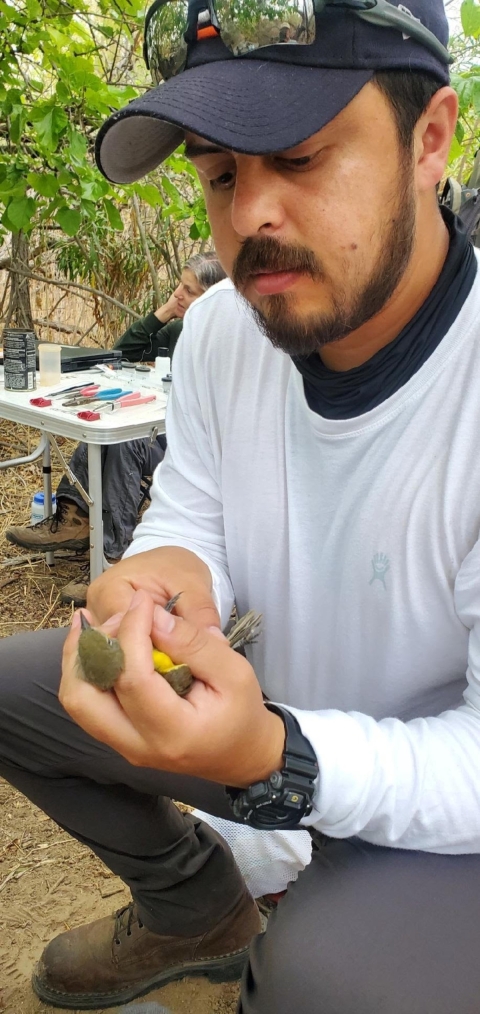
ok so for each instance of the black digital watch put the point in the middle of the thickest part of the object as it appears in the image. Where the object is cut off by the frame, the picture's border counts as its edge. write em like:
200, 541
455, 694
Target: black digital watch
281, 801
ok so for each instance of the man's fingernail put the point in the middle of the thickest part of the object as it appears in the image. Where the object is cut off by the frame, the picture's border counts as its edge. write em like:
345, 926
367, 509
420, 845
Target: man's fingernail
75, 621
163, 621
217, 632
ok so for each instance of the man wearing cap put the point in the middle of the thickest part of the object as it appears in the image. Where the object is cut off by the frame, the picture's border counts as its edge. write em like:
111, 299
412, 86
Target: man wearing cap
322, 468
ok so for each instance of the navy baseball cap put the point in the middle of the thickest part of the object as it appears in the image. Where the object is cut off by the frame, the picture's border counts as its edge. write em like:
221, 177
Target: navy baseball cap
270, 99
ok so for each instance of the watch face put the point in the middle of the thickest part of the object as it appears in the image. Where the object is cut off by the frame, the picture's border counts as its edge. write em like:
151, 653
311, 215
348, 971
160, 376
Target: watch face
286, 797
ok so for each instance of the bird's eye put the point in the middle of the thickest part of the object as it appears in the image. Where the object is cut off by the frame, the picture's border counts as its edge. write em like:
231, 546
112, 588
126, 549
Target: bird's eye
110, 642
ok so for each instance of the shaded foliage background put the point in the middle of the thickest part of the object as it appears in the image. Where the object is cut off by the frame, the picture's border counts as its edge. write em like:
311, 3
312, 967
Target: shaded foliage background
63, 69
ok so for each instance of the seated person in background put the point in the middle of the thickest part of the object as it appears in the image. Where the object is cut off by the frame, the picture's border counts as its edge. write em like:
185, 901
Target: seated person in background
123, 465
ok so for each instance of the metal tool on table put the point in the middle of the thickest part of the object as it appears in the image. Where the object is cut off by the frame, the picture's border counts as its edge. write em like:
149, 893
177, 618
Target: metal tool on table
126, 401
101, 659
101, 394
46, 400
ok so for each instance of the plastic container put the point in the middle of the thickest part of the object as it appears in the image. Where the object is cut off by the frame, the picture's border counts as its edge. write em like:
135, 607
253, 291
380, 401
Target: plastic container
38, 505
49, 361
162, 366
167, 384
19, 359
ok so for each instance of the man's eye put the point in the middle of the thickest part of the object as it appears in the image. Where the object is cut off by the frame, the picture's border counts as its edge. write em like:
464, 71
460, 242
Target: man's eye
223, 182
297, 163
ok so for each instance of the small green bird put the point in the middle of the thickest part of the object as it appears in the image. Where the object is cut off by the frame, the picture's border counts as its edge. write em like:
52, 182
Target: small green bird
101, 658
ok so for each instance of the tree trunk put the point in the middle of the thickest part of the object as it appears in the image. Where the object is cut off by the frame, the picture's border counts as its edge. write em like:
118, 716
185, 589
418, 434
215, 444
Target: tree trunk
19, 313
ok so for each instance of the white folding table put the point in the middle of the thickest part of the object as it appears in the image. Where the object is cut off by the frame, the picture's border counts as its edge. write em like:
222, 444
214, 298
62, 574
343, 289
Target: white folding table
112, 428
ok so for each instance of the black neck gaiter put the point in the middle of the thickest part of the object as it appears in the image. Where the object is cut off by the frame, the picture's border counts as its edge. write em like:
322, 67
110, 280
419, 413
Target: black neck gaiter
344, 395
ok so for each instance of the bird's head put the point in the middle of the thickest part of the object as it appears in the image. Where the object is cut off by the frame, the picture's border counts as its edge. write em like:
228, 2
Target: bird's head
100, 657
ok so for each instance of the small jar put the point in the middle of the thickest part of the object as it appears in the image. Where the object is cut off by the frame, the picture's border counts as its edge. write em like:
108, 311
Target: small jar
38, 507
50, 364
162, 366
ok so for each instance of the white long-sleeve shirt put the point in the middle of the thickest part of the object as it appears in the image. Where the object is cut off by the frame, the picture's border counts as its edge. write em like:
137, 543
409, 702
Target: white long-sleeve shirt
358, 540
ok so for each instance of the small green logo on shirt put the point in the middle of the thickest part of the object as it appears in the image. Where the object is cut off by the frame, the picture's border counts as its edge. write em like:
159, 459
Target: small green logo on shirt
380, 565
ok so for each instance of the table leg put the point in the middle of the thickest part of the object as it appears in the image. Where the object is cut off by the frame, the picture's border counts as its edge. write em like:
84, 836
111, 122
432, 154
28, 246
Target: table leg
96, 520
47, 492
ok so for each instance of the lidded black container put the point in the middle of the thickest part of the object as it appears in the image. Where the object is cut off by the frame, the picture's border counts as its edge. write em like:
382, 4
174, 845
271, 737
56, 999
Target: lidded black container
19, 355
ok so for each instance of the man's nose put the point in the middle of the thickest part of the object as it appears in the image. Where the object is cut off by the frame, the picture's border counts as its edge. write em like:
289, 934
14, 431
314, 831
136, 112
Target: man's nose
258, 201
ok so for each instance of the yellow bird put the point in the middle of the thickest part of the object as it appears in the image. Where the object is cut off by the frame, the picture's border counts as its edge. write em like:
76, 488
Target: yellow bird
101, 658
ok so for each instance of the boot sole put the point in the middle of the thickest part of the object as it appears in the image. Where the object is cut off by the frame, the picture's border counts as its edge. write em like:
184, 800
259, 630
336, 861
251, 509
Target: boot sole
77, 600
75, 544
226, 969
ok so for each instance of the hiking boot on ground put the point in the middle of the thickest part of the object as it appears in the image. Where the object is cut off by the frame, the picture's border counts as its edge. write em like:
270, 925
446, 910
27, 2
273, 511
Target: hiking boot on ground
117, 959
76, 592
68, 528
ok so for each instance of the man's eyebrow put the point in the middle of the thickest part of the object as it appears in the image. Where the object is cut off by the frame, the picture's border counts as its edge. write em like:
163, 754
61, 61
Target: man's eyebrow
194, 150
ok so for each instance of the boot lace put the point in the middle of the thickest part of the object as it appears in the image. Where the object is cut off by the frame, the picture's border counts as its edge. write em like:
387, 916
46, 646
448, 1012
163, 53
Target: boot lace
123, 921
54, 521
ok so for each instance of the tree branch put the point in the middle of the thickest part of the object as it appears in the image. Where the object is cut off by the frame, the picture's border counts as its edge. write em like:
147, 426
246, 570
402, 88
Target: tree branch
146, 250
77, 285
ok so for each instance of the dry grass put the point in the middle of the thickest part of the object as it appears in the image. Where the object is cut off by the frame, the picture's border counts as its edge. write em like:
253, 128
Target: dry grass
29, 588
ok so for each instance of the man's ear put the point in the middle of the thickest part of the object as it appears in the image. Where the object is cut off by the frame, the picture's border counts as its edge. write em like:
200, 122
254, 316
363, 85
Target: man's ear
433, 137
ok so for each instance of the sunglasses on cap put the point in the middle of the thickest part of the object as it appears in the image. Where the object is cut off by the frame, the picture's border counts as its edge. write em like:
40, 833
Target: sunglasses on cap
170, 25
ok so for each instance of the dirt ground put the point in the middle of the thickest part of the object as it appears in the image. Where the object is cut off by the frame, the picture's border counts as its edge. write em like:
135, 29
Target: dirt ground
48, 881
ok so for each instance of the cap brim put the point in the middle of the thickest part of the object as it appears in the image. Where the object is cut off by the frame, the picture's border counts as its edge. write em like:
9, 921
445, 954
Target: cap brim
252, 107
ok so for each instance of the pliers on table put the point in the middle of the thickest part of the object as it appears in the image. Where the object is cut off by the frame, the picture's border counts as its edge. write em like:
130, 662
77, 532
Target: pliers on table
126, 401
45, 402
108, 394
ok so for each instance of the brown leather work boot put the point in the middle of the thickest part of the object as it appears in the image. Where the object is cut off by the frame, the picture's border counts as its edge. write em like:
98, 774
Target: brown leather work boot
68, 528
116, 959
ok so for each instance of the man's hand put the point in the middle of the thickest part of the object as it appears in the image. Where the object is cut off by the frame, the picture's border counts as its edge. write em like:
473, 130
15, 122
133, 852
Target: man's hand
162, 573
221, 731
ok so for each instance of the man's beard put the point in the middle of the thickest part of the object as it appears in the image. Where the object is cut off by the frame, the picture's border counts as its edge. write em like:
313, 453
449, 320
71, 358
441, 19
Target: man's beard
350, 310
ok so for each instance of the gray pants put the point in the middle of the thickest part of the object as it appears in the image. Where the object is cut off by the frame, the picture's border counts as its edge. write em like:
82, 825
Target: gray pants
365, 930
123, 468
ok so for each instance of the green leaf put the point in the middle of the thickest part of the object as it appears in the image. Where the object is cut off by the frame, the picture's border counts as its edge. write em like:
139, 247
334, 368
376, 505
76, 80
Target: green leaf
17, 122
455, 150
77, 148
113, 215
90, 210
34, 10
12, 186
50, 122
62, 93
203, 229
470, 15
20, 212
69, 220
170, 190
65, 179
46, 184
149, 193
93, 190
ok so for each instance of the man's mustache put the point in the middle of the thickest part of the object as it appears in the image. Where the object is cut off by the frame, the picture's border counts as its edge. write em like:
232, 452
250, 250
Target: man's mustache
267, 254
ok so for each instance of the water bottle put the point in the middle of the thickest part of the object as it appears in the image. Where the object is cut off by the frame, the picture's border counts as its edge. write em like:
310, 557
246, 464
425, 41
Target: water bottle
37, 508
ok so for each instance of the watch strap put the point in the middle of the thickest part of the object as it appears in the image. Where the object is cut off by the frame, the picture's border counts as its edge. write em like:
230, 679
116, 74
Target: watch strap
283, 799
